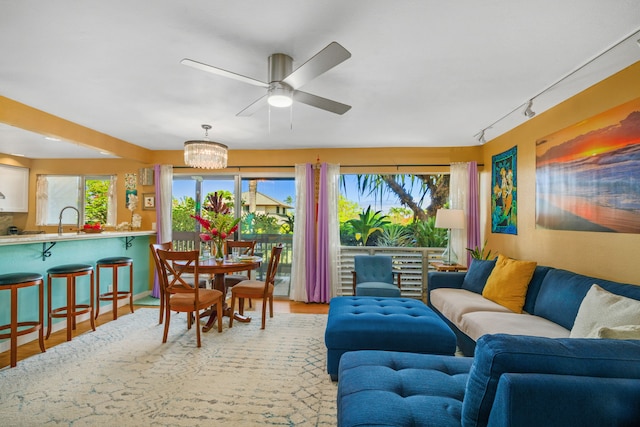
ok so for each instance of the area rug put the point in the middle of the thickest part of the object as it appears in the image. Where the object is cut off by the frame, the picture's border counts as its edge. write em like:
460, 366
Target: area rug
123, 375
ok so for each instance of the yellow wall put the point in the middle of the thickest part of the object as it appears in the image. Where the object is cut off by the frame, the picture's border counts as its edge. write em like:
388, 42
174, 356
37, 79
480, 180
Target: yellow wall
612, 256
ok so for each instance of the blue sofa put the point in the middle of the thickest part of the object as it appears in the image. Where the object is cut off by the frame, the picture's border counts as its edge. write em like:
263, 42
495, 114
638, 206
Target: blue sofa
552, 301
525, 370
512, 380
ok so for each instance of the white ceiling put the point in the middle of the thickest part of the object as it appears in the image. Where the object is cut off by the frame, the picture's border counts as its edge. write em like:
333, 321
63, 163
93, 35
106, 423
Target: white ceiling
422, 73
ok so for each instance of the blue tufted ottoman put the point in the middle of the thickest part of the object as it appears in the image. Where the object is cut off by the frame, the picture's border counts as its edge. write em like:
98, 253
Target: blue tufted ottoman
387, 388
376, 323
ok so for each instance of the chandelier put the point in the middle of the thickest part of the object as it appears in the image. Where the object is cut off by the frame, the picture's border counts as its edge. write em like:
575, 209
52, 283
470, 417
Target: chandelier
205, 154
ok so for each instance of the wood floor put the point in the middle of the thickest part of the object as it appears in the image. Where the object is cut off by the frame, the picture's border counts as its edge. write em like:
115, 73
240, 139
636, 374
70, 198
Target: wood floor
31, 348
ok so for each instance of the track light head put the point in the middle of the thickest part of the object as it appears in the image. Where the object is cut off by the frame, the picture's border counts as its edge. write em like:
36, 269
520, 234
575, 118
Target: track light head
528, 111
480, 136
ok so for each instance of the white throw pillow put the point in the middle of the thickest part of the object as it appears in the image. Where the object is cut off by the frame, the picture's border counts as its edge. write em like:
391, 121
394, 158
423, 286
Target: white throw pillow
601, 308
626, 332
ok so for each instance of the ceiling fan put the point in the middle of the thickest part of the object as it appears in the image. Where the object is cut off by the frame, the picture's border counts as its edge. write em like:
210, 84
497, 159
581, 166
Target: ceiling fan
283, 83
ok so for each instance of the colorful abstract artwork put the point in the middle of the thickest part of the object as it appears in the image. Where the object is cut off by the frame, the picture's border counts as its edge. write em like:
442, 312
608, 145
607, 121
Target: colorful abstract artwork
504, 200
588, 175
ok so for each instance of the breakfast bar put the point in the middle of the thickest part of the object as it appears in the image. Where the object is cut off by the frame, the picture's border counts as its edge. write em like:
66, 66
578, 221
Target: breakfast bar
36, 253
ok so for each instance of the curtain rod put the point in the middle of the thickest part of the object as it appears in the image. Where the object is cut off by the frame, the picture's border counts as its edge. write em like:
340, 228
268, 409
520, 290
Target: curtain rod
341, 165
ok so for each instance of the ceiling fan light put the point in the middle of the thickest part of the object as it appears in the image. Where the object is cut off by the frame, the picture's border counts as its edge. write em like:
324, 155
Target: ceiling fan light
280, 97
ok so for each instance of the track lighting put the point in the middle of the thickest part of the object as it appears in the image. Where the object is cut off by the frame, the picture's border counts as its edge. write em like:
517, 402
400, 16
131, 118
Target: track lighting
480, 136
528, 111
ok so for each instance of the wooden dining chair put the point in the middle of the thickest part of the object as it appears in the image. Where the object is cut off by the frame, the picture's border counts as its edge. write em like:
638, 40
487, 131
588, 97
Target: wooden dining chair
246, 248
258, 289
154, 247
180, 293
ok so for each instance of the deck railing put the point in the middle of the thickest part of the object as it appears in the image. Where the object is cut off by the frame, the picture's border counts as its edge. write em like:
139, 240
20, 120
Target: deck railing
412, 263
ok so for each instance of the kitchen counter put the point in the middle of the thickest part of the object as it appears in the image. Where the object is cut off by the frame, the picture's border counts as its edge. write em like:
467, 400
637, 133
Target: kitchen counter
37, 253
21, 239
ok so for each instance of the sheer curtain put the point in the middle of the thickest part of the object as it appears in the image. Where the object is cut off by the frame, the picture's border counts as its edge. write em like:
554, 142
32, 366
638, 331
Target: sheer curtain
458, 190
42, 199
463, 194
316, 238
164, 193
298, 268
112, 203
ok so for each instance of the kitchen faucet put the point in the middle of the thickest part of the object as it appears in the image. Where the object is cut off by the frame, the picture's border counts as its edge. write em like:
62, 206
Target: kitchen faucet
60, 219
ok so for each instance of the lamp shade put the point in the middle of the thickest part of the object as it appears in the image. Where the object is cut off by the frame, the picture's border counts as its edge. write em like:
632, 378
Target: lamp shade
449, 218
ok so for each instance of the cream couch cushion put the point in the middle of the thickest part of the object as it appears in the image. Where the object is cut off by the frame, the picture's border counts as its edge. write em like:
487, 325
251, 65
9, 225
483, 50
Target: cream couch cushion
454, 303
480, 323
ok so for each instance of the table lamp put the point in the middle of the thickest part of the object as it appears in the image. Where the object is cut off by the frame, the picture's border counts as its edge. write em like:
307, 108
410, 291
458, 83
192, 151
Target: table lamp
449, 219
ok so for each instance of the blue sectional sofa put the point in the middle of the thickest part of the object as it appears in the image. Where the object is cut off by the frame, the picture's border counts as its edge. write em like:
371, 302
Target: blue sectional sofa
553, 297
512, 381
528, 369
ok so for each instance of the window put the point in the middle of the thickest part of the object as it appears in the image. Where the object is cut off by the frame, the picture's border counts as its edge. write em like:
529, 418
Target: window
391, 210
93, 196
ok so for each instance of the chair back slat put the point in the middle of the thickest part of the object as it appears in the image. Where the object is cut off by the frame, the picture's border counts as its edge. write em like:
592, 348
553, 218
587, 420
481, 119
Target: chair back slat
177, 264
248, 245
272, 269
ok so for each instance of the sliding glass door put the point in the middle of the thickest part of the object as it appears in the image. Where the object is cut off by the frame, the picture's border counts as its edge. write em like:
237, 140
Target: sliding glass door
268, 218
265, 204
189, 193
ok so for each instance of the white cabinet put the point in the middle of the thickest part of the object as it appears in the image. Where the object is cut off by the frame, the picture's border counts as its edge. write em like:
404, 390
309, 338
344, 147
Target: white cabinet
14, 189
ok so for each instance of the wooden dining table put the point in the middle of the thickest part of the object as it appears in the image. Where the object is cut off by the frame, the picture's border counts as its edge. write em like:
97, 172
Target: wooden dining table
218, 270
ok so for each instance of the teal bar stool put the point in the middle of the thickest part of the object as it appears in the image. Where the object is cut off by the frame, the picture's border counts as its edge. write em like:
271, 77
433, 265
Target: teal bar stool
115, 294
13, 282
70, 311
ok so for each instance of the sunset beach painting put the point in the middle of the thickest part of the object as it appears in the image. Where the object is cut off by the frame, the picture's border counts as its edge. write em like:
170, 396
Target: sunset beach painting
588, 175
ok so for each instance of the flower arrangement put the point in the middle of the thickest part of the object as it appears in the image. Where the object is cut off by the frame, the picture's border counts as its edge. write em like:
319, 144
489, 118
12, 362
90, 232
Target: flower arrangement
217, 224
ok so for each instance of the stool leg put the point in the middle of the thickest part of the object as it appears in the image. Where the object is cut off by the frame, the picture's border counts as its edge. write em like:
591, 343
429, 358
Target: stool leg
71, 303
98, 286
131, 286
14, 326
92, 301
114, 294
41, 315
48, 306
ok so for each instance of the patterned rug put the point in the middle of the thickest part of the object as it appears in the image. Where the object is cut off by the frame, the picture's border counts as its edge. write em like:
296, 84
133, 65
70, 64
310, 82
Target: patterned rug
123, 375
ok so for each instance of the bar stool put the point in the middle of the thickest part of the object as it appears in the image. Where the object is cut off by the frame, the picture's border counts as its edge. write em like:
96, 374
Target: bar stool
114, 295
13, 282
72, 309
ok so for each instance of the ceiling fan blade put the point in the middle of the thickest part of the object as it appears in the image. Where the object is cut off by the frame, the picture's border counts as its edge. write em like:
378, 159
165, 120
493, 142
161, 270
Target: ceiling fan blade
253, 107
224, 73
321, 62
322, 103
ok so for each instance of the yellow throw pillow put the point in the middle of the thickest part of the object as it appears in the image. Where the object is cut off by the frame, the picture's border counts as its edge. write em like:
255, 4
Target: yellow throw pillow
508, 282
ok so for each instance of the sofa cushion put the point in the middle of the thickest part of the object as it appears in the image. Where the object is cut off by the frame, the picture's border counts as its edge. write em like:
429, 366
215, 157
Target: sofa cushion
455, 303
508, 282
534, 288
626, 332
562, 292
480, 323
498, 354
601, 308
386, 388
477, 275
